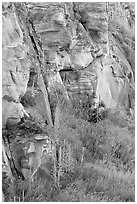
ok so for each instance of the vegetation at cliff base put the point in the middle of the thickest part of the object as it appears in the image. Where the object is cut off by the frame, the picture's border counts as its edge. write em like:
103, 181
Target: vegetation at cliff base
97, 165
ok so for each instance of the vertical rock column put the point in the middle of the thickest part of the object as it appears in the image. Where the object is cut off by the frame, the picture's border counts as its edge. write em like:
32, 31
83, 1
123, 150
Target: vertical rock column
15, 65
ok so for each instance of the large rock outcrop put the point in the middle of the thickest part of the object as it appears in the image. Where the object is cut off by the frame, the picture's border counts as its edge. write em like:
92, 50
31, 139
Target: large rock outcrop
87, 38
51, 49
83, 48
16, 65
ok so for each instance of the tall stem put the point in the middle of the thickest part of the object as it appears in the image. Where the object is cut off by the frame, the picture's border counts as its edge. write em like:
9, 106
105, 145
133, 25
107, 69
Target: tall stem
59, 165
56, 138
82, 156
55, 166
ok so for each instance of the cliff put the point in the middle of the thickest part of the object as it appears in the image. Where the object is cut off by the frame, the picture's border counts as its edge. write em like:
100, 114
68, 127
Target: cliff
54, 54
92, 42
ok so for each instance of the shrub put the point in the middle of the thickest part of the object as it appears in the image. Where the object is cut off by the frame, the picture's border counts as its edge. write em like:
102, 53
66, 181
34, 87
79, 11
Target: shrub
94, 161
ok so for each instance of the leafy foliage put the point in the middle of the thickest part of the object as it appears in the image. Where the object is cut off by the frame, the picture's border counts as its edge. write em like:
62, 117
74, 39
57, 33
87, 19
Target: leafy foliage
82, 106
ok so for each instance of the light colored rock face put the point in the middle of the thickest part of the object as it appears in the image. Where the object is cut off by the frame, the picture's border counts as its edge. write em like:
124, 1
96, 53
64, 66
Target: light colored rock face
76, 35
82, 59
15, 65
96, 40
112, 87
82, 48
12, 111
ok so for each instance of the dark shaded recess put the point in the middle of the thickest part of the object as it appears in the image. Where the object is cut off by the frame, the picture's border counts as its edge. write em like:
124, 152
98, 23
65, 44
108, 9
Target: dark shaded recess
66, 70
5, 13
32, 78
8, 98
65, 47
94, 34
96, 116
93, 115
27, 100
12, 77
64, 73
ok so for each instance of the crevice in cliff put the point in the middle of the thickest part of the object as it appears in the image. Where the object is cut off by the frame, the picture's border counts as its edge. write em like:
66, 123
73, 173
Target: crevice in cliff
12, 77
39, 54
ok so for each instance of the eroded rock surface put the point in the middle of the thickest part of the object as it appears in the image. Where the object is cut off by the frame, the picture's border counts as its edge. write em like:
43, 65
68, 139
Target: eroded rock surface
87, 38
68, 48
16, 64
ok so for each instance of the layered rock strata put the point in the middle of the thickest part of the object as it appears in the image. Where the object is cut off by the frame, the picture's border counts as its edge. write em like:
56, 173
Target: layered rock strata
53, 50
86, 38
95, 40
16, 65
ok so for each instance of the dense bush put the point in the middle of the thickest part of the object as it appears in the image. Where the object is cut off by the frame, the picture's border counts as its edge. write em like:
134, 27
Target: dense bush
83, 108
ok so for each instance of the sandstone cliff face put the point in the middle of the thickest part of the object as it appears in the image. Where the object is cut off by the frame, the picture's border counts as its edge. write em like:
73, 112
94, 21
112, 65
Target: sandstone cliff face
71, 48
88, 38
96, 40
16, 65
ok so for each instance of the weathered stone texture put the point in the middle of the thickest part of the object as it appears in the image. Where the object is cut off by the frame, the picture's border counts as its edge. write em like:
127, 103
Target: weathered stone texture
76, 35
69, 48
15, 64
72, 36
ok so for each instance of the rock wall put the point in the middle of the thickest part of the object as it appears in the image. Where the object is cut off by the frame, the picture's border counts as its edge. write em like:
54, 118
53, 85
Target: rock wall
87, 38
16, 65
93, 40
51, 49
